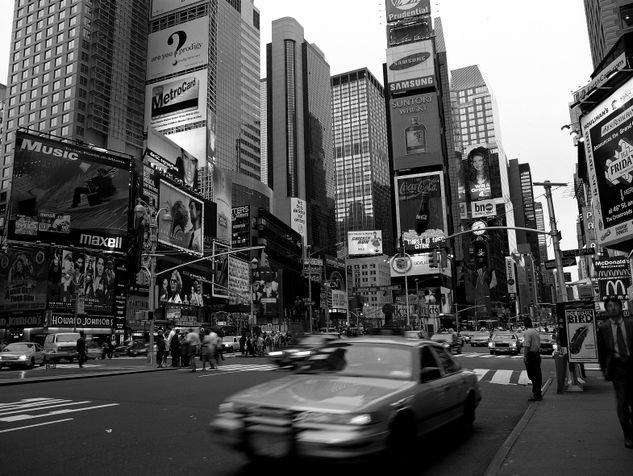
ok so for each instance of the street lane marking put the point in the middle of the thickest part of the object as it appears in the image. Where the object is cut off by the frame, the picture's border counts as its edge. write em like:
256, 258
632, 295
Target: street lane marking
523, 379
36, 425
62, 404
480, 373
234, 368
501, 376
56, 412
31, 405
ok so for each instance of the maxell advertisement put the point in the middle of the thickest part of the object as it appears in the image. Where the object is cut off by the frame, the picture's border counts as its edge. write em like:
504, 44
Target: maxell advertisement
477, 173
184, 230
179, 48
176, 102
409, 31
69, 195
23, 279
608, 134
416, 131
411, 66
160, 7
400, 9
420, 206
186, 285
361, 243
170, 158
579, 333
614, 277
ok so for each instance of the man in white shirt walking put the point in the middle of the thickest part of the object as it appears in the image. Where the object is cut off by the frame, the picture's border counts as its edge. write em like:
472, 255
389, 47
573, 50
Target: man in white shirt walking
532, 359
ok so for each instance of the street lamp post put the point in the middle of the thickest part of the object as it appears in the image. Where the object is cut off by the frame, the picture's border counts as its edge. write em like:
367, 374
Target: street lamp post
140, 212
254, 263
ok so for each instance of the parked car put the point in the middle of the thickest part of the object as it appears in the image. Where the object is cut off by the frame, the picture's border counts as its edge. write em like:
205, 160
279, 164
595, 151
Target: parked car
451, 339
22, 354
504, 342
295, 353
548, 343
61, 346
132, 348
231, 343
480, 339
351, 400
94, 349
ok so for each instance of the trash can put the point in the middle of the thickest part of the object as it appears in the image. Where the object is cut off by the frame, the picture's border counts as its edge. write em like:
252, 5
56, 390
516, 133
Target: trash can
560, 362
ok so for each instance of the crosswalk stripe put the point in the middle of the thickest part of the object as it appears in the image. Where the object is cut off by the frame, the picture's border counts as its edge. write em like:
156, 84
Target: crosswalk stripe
501, 376
523, 379
481, 373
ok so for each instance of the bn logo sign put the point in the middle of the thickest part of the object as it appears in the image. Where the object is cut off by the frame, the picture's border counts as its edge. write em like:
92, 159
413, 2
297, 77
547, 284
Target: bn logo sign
483, 208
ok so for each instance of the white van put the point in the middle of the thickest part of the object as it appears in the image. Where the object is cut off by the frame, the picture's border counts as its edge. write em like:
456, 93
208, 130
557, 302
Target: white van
62, 345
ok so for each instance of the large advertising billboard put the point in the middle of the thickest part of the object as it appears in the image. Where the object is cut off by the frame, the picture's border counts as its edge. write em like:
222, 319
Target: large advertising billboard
185, 229
409, 31
608, 134
239, 281
186, 285
160, 7
416, 131
361, 243
176, 102
400, 9
169, 157
421, 207
410, 66
222, 187
266, 292
241, 227
23, 279
220, 271
69, 195
179, 48
298, 217
477, 177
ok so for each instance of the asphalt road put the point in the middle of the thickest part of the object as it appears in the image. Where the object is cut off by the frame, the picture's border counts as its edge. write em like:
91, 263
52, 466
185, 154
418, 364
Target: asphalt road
155, 423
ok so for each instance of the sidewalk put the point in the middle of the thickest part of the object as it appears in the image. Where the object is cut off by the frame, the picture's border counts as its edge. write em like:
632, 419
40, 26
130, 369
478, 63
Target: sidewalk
570, 433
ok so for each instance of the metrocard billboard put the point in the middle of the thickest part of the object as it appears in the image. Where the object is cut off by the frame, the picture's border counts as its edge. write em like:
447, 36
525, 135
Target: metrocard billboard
608, 134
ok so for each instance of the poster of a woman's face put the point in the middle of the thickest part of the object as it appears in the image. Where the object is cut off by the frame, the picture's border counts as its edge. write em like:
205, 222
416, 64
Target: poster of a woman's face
478, 174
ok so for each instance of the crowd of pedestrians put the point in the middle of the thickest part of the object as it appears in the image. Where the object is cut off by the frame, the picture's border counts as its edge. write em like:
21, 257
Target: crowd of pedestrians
256, 345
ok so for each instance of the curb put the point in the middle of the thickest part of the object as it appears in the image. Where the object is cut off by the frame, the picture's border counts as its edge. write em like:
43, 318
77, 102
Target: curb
500, 456
53, 378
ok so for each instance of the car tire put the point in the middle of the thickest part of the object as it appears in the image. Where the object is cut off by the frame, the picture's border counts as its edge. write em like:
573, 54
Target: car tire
31, 363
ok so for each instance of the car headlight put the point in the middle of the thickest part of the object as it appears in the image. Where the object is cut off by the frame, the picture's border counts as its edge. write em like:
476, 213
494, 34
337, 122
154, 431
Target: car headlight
555, 346
491, 344
303, 353
275, 353
23, 357
514, 344
335, 418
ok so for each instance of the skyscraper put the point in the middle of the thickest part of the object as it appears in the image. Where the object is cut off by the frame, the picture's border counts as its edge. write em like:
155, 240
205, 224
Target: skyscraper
238, 108
77, 70
361, 156
607, 20
300, 163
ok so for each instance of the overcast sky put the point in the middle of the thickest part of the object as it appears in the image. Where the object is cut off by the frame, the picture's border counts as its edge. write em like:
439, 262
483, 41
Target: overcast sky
532, 55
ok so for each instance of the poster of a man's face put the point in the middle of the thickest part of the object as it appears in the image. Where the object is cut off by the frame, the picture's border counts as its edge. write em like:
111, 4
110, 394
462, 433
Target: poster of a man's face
185, 229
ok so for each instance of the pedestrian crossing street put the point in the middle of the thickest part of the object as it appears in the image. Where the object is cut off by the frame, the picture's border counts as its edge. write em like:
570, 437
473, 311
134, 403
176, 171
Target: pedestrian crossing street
41, 411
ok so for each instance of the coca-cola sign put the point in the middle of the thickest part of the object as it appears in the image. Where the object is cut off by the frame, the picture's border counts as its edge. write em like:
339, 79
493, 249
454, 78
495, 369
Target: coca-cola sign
413, 188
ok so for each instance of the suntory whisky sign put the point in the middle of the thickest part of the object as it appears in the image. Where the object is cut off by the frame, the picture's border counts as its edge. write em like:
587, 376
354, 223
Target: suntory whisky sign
405, 9
410, 67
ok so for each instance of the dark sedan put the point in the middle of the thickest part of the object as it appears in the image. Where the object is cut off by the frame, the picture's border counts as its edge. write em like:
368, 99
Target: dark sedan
296, 353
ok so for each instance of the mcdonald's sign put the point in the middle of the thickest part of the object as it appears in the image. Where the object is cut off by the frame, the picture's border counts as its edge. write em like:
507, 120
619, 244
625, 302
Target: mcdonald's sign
614, 277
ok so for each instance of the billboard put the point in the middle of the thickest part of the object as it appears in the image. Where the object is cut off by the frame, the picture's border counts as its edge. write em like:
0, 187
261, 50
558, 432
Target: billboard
298, 217
169, 157
483, 208
187, 285
579, 332
416, 131
179, 48
241, 227
409, 31
608, 134
421, 207
160, 7
23, 279
266, 291
176, 102
400, 9
410, 66
364, 242
184, 230
477, 177
220, 271
614, 277
222, 187
69, 195
239, 281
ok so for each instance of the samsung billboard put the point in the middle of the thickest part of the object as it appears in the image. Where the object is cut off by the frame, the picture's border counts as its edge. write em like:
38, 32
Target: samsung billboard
69, 195
410, 66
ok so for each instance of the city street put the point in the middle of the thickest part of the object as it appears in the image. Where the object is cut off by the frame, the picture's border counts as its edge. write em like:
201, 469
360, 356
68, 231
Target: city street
132, 424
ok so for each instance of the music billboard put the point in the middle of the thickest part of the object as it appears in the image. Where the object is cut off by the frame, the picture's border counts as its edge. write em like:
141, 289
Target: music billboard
185, 229
421, 208
410, 66
178, 48
66, 194
416, 131
608, 134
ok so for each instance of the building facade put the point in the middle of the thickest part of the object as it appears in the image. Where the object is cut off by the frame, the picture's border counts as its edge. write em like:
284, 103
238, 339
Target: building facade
363, 190
607, 20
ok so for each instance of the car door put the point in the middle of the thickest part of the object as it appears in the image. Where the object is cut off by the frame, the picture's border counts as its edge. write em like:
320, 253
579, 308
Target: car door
427, 401
453, 392
39, 354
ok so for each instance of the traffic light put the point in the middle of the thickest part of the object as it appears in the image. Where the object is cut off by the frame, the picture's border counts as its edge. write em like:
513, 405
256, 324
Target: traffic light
481, 253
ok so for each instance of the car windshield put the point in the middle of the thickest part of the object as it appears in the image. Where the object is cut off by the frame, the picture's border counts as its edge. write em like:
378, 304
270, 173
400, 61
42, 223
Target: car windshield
17, 347
504, 337
362, 359
67, 338
481, 334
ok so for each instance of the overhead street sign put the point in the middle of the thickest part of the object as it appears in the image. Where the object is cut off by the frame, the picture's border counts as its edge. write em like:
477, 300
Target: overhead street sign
567, 261
581, 252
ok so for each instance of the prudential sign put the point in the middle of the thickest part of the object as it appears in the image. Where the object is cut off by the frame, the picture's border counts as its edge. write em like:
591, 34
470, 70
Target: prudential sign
401, 9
